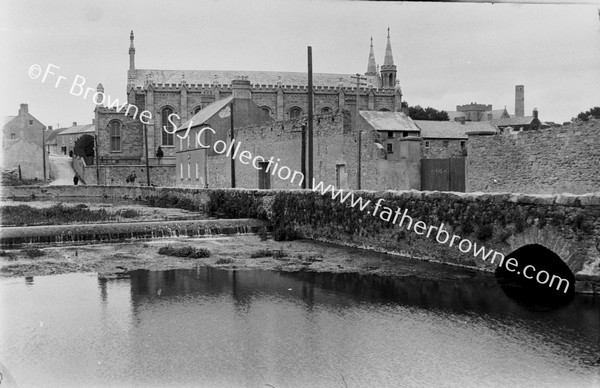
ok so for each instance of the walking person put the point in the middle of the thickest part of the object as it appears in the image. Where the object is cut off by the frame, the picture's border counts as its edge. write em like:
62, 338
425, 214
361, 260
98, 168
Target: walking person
75, 180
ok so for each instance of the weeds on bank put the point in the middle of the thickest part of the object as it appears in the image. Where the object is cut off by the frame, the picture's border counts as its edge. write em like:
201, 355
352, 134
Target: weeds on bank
276, 254
171, 201
59, 214
187, 252
224, 260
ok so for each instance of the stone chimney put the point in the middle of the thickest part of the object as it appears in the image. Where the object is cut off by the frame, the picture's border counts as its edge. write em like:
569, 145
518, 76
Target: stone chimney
241, 89
24, 109
535, 113
74, 123
49, 127
519, 101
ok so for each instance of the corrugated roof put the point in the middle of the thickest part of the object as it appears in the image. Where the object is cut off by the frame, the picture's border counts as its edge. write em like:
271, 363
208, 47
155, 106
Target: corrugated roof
512, 121
78, 129
255, 77
206, 113
451, 129
389, 121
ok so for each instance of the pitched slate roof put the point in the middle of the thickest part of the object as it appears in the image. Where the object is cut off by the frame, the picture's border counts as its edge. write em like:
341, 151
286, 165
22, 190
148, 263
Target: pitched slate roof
512, 121
206, 113
203, 77
389, 121
78, 129
451, 129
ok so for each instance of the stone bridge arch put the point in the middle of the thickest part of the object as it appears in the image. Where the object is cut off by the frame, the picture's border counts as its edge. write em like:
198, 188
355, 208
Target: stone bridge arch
551, 240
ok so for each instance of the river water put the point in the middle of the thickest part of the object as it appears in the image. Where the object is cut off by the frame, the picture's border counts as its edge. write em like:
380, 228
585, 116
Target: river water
253, 328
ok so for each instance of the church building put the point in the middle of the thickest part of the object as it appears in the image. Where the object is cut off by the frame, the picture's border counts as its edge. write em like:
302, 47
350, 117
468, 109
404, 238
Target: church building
281, 95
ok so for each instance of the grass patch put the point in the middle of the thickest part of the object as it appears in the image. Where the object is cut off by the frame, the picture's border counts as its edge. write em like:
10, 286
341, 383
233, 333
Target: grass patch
32, 253
187, 252
171, 201
263, 234
10, 256
59, 214
277, 254
224, 261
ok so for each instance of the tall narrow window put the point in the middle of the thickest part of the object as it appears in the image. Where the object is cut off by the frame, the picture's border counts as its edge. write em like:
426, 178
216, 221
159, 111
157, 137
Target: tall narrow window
181, 171
167, 137
189, 171
197, 109
197, 172
115, 135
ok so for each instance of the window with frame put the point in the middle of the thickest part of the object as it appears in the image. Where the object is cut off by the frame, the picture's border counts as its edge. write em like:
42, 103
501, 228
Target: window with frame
13, 136
197, 171
197, 109
189, 175
325, 110
167, 138
390, 134
181, 171
30, 122
427, 144
295, 112
115, 135
266, 109
390, 148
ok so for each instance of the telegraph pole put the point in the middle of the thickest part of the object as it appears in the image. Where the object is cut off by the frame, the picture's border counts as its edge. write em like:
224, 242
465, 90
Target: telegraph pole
358, 78
44, 150
310, 119
147, 162
232, 140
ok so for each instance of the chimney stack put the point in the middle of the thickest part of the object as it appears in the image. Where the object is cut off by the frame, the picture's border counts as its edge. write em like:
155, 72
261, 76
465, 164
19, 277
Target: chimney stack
24, 108
241, 89
49, 127
74, 123
535, 113
519, 101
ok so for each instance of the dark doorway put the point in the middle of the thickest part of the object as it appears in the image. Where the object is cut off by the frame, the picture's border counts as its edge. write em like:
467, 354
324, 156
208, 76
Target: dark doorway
264, 178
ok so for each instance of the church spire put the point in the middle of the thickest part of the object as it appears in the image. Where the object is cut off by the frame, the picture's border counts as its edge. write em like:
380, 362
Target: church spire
389, 58
372, 66
131, 52
388, 69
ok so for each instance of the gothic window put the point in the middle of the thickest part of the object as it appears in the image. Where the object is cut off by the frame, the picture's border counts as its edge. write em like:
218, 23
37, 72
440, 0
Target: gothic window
115, 135
197, 109
325, 110
295, 112
266, 109
167, 138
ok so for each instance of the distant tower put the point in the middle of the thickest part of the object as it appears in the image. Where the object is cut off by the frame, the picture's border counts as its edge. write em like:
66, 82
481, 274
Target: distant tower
519, 101
388, 69
131, 52
372, 66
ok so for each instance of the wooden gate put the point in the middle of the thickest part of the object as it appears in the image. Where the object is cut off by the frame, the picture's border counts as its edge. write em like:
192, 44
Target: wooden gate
443, 174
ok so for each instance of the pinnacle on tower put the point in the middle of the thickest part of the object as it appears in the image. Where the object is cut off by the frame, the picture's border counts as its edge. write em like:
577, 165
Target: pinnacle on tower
131, 52
389, 58
372, 66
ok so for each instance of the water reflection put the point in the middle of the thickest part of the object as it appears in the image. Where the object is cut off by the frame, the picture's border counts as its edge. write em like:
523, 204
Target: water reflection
210, 327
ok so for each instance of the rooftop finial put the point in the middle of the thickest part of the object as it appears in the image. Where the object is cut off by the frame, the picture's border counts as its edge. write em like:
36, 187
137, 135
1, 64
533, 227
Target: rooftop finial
371, 41
371, 67
131, 52
388, 32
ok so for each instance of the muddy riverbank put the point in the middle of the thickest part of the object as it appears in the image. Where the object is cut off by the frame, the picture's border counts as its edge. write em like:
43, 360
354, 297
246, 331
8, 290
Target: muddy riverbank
233, 252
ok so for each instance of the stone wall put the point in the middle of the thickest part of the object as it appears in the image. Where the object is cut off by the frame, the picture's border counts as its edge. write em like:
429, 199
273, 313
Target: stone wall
569, 225
160, 175
549, 161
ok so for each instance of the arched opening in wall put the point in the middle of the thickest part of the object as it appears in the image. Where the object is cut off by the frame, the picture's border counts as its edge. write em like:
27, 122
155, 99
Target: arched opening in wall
295, 112
325, 110
196, 109
391, 80
266, 109
539, 279
384, 110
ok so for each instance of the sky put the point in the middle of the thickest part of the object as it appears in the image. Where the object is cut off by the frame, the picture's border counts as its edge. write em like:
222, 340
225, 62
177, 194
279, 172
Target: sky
447, 54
